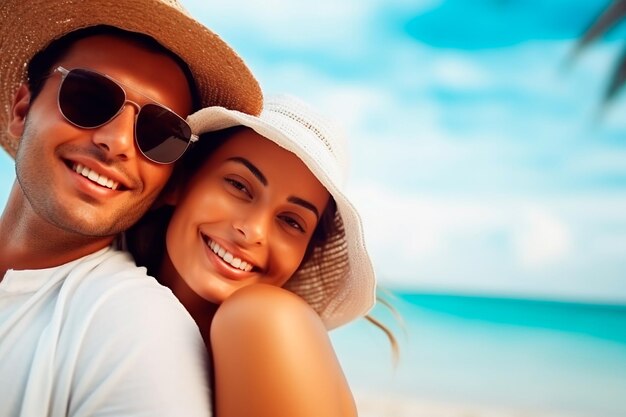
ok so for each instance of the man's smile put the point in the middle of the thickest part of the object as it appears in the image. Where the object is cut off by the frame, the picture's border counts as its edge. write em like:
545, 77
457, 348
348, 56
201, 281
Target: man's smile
95, 177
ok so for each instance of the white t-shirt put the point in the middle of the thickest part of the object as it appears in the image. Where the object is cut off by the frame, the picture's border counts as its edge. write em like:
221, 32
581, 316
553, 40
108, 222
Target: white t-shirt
98, 337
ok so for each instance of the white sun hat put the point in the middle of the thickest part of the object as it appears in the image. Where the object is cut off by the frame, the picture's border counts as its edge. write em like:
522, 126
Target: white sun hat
338, 280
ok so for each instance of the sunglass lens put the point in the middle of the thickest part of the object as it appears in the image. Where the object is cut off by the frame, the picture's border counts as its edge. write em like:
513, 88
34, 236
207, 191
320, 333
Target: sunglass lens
161, 134
88, 99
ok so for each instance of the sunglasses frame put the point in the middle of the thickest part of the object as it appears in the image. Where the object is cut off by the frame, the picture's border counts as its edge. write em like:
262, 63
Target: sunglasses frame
65, 72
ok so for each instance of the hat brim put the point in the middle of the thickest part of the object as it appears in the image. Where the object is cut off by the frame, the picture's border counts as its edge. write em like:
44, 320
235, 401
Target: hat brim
28, 26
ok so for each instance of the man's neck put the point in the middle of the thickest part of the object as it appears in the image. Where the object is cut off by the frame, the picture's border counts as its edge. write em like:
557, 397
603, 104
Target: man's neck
29, 242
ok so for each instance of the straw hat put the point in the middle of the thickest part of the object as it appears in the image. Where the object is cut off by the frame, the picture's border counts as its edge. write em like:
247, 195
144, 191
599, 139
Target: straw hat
338, 280
28, 26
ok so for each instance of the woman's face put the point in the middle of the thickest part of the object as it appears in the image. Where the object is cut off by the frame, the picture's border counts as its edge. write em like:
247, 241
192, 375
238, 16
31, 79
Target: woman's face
245, 217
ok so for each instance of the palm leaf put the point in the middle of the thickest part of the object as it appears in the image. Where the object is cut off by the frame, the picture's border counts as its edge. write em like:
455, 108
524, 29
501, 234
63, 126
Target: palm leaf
617, 80
608, 18
613, 14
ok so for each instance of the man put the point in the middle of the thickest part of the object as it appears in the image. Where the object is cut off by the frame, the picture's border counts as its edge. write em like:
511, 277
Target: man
95, 129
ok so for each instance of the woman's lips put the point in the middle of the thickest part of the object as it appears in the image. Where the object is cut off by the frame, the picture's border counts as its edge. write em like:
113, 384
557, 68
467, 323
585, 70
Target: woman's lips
228, 257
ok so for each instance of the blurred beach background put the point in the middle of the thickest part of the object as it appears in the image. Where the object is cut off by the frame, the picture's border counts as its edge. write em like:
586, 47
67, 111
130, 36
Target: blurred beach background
492, 185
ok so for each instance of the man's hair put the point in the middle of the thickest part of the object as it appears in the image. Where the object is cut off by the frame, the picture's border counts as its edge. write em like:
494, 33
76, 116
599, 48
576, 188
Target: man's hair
41, 65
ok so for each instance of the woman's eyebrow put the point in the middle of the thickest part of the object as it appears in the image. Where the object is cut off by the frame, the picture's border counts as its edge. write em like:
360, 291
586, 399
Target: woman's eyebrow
259, 175
305, 204
253, 169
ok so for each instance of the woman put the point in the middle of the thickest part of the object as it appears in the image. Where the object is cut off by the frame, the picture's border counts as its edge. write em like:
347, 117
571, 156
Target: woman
266, 252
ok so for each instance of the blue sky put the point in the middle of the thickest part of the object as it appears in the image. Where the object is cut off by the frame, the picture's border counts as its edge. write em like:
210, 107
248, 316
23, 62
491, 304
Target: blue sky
478, 160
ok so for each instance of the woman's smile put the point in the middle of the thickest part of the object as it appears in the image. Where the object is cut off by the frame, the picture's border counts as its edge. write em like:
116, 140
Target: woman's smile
226, 256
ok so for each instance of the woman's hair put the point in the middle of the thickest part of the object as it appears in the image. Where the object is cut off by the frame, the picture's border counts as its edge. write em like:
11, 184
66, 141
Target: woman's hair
146, 239
393, 341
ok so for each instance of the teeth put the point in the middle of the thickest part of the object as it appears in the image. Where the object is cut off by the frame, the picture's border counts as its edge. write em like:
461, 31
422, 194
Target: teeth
95, 177
229, 257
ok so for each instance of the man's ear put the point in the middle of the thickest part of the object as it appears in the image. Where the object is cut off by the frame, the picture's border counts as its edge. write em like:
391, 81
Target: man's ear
19, 110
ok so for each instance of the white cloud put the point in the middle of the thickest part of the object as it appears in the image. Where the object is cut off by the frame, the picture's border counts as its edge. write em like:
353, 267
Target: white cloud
601, 160
459, 72
500, 244
541, 238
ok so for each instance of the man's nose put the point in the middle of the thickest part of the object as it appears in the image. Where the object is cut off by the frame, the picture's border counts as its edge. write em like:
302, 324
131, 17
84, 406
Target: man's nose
117, 137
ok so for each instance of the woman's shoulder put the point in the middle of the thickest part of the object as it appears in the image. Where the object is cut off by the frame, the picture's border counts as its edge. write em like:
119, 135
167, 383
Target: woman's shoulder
268, 313
269, 342
267, 305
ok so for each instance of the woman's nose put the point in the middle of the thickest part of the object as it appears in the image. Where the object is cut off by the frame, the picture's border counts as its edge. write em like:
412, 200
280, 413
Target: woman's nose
253, 227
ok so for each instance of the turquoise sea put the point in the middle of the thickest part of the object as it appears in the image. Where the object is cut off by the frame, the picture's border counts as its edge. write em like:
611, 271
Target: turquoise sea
524, 355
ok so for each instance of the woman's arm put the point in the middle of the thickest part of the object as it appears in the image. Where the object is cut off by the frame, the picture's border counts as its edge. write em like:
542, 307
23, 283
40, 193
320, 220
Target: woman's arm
273, 357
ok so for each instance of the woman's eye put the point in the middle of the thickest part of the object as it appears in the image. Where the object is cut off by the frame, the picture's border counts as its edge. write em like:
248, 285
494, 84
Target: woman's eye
291, 222
239, 186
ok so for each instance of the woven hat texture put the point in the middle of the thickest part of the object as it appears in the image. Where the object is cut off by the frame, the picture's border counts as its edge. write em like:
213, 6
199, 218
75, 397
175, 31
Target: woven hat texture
28, 26
338, 281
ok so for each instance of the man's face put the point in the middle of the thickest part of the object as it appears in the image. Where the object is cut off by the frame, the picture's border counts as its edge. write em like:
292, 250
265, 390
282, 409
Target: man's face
68, 174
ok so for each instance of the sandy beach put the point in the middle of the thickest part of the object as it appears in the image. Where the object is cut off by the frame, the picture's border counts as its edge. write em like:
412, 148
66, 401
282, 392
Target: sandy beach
377, 405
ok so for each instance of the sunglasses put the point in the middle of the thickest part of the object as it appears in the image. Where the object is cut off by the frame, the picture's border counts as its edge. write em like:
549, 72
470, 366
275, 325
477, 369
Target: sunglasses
88, 100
